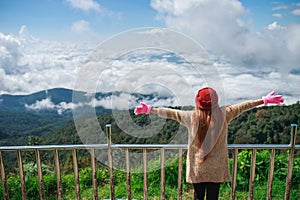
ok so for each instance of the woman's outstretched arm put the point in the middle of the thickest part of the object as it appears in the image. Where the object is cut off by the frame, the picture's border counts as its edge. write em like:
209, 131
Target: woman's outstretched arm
175, 114
237, 109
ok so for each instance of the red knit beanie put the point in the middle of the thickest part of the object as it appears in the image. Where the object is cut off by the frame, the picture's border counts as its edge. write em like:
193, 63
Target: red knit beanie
206, 98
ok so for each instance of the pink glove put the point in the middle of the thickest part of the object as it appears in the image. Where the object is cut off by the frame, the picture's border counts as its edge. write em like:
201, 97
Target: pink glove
142, 109
272, 98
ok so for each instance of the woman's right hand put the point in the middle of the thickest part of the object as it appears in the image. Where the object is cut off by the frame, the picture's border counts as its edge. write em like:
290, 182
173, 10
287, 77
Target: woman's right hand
142, 109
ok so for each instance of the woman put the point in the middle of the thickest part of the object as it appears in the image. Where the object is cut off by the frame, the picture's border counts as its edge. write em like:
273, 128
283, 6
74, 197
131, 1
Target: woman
207, 156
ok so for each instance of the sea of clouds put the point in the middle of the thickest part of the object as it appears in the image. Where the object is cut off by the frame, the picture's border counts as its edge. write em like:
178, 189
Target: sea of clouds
249, 63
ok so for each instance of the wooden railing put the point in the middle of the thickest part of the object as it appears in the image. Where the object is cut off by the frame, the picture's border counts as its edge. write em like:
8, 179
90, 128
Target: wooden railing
144, 148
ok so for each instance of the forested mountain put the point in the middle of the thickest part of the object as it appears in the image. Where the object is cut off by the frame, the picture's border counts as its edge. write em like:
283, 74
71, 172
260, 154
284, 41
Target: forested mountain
263, 125
20, 119
40, 113
18, 103
46, 115
43, 118
15, 127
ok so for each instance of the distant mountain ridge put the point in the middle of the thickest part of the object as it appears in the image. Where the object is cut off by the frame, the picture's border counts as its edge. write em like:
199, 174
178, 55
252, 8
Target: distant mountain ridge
43, 112
59, 98
17, 103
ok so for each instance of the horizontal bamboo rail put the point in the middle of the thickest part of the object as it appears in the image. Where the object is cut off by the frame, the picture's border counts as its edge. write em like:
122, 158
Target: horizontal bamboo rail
292, 147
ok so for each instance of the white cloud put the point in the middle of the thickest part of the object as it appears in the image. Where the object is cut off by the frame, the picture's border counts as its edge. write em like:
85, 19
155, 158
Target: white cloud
154, 31
120, 101
274, 26
47, 104
278, 15
88, 5
293, 43
22, 30
219, 26
247, 61
280, 7
81, 26
10, 53
29, 65
40, 105
296, 12
85, 5
174, 7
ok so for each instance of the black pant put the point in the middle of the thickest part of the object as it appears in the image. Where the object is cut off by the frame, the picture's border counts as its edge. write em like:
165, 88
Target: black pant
211, 189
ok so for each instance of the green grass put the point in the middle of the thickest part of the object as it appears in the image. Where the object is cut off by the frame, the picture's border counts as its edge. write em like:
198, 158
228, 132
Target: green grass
260, 190
171, 179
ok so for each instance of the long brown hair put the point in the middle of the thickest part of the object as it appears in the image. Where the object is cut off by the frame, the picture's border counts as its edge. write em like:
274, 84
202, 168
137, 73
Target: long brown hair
210, 125
204, 122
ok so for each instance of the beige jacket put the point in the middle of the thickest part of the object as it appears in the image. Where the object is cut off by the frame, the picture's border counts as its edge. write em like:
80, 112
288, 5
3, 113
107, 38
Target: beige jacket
215, 168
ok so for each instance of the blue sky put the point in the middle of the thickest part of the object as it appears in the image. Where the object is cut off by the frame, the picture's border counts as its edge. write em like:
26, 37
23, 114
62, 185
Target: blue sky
53, 19
267, 11
255, 44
